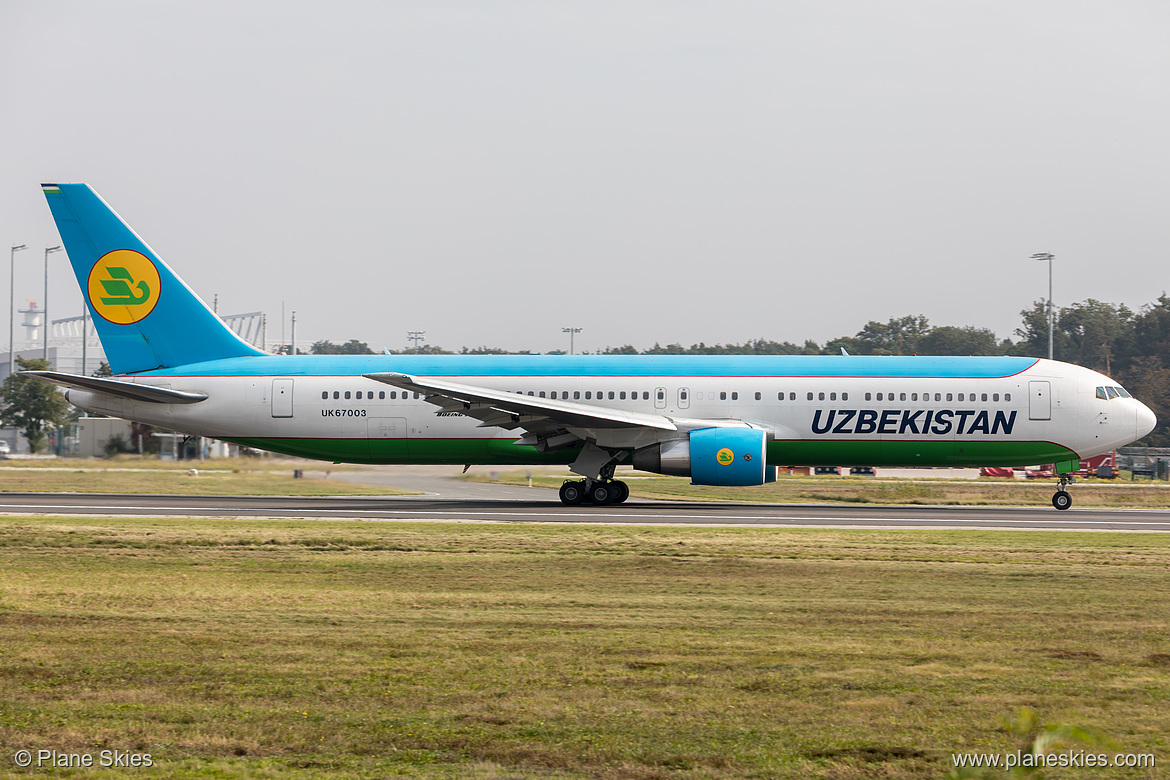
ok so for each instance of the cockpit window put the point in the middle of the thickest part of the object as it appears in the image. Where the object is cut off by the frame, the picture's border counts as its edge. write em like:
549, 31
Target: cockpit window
1109, 393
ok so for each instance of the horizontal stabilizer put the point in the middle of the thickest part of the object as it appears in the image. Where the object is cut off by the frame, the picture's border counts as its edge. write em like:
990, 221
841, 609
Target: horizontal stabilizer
135, 392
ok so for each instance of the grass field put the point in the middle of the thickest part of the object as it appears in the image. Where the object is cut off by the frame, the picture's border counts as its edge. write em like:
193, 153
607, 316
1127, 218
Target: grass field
868, 490
133, 474
262, 649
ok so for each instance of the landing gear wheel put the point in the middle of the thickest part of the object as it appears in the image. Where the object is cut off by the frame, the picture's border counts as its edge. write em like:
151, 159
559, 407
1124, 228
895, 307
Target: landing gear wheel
603, 493
572, 493
621, 492
1062, 500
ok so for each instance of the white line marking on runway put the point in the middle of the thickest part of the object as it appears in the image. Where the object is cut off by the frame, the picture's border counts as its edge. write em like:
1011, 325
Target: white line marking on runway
581, 517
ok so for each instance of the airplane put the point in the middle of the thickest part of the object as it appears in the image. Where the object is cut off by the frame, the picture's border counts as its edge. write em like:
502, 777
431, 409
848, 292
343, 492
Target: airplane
719, 419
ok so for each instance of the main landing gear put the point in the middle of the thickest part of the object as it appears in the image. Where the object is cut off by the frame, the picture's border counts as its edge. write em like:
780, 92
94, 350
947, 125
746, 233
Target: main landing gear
601, 490
602, 494
1062, 500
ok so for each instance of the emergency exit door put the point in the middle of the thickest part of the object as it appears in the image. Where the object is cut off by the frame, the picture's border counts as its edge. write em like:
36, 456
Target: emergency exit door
1039, 401
282, 400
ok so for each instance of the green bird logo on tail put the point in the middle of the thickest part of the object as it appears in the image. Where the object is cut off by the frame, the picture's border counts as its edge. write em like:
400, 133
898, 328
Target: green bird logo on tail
118, 287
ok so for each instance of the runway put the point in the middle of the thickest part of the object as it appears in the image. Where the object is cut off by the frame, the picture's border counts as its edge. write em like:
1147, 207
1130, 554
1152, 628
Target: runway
550, 510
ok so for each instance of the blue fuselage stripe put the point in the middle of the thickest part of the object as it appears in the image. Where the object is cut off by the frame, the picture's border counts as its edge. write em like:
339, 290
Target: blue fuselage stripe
610, 365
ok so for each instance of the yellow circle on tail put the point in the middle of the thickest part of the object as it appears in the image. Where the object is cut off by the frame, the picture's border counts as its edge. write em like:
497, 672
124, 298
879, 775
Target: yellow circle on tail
123, 286
725, 457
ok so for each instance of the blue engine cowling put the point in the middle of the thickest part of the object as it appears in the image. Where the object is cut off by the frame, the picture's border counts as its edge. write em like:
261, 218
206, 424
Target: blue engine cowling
712, 456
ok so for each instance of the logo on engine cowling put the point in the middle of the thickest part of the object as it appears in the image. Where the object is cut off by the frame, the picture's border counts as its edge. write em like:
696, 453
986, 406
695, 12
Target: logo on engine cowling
725, 457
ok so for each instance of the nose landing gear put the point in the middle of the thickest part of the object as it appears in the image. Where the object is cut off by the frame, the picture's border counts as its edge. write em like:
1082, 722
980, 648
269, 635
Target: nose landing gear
1062, 500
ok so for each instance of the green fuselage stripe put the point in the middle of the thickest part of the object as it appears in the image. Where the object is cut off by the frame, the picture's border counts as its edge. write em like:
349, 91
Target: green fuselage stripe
780, 453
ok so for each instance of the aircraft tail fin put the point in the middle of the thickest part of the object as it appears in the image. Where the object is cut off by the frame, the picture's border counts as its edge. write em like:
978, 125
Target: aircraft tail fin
145, 315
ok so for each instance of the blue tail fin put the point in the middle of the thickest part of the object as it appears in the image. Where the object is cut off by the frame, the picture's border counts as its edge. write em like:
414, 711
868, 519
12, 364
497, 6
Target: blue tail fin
145, 315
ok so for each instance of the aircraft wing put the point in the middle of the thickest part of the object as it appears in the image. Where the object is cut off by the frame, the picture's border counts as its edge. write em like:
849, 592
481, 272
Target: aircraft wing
118, 387
537, 416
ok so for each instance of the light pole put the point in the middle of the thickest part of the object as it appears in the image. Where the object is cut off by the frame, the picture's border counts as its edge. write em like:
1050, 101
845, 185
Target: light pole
45, 311
12, 305
1048, 256
84, 331
416, 336
570, 331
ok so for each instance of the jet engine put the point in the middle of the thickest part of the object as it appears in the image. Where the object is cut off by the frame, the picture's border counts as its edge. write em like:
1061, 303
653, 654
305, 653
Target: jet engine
712, 456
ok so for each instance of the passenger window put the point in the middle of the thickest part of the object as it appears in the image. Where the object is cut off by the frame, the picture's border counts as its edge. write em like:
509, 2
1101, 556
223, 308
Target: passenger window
416, 396
393, 395
735, 396
336, 394
938, 396
683, 395
530, 392
622, 395
779, 396
662, 395
723, 395
868, 397
950, 396
792, 396
984, 397
347, 395
1007, 396
325, 393
844, 396
810, 396
542, 394
881, 396
576, 394
588, 395
611, 395
759, 396
914, 396
820, 396
902, 397
832, 396
995, 396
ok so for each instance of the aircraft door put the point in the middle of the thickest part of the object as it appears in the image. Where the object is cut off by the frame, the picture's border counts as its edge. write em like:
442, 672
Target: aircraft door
282, 398
660, 398
684, 398
1039, 401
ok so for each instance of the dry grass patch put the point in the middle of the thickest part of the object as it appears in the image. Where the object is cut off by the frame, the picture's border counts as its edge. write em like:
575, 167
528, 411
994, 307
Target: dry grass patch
176, 481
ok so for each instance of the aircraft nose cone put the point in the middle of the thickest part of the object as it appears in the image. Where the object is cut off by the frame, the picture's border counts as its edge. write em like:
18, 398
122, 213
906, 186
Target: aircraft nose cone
1144, 420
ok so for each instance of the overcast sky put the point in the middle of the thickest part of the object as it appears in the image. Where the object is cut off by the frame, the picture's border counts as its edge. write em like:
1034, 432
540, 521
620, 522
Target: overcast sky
682, 171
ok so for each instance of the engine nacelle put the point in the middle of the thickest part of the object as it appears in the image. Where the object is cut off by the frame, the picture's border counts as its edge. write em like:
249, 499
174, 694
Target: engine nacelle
712, 456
